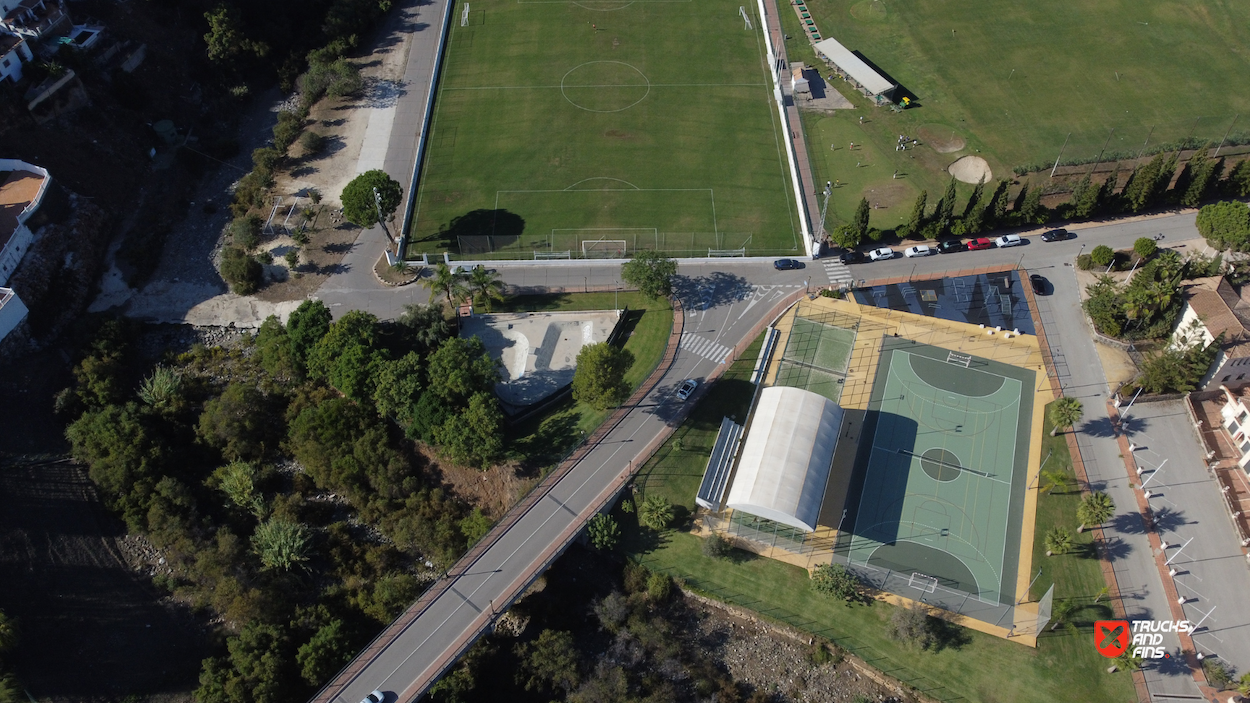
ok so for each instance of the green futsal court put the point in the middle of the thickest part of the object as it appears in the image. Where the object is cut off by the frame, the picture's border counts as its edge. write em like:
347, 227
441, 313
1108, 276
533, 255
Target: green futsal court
944, 475
817, 354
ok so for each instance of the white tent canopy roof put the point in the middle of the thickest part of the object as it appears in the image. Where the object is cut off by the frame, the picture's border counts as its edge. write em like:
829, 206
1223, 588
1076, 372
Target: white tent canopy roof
854, 66
786, 458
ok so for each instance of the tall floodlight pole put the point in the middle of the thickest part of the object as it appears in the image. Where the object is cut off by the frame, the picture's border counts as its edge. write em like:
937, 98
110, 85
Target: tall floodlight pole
824, 212
1060, 156
377, 201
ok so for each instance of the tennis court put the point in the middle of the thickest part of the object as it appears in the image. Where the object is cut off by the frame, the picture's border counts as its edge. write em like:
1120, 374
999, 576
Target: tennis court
942, 481
817, 354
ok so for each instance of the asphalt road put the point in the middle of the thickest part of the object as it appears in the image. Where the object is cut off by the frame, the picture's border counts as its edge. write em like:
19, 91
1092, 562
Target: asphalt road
724, 301
723, 306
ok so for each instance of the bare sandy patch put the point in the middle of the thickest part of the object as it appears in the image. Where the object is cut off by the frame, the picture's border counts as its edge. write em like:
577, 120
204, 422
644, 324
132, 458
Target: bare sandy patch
971, 169
941, 138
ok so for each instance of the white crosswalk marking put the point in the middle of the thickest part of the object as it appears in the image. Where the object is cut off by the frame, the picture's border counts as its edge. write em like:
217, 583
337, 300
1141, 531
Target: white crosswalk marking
705, 348
838, 272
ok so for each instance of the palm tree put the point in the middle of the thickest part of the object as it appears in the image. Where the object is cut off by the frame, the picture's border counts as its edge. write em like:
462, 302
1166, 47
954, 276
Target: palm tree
1094, 509
1055, 481
1060, 611
485, 286
446, 282
1128, 661
1065, 412
1058, 541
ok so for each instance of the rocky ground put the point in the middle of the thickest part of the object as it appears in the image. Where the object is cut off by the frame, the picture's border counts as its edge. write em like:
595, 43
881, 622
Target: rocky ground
780, 662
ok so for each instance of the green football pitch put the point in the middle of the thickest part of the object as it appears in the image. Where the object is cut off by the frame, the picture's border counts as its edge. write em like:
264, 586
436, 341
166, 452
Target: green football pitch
943, 488
598, 127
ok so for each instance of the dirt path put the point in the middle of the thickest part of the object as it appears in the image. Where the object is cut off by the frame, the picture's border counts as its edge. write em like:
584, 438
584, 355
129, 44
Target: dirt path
91, 627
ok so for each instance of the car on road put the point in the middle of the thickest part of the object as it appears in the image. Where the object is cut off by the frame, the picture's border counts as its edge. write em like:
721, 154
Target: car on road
787, 264
851, 257
982, 243
1008, 240
881, 254
1039, 284
918, 250
375, 697
1056, 235
950, 246
687, 387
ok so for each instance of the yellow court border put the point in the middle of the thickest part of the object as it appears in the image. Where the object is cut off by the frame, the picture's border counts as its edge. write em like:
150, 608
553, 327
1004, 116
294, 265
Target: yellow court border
1022, 351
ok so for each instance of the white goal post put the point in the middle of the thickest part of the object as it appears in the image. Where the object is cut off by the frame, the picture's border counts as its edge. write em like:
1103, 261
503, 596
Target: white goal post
604, 248
464, 16
742, 10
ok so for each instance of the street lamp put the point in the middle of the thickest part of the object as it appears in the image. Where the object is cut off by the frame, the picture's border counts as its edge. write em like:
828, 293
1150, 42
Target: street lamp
818, 235
377, 201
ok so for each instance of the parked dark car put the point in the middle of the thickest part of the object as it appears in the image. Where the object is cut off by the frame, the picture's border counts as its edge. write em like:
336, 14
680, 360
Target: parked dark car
1039, 284
787, 264
851, 257
1056, 235
950, 246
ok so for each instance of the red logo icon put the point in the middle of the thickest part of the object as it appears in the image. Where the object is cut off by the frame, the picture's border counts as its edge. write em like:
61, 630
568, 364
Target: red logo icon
1111, 637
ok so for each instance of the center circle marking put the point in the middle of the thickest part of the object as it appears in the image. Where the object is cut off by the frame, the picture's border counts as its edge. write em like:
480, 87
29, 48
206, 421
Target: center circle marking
940, 464
606, 67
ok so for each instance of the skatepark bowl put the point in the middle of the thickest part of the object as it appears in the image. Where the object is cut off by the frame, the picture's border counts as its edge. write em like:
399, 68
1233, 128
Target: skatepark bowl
537, 351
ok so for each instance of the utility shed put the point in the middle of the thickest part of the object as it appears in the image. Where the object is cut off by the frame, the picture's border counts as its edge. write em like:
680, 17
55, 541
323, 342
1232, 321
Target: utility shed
855, 69
786, 458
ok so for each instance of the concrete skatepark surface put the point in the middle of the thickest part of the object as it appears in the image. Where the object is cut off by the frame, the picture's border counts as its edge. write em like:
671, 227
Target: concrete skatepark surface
538, 350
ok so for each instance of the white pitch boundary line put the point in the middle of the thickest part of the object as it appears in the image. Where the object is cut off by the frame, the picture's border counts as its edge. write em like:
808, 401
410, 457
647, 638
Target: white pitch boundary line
614, 85
711, 192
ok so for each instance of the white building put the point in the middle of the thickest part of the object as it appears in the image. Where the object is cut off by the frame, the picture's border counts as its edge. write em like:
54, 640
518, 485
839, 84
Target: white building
1213, 307
33, 18
13, 53
22, 187
12, 311
1235, 417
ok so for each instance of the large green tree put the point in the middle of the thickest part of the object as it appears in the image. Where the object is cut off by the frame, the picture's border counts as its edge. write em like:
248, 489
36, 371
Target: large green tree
461, 368
348, 357
398, 388
550, 662
124, 458
236, 422
257, 670
599, 379
651, 272
325, 653
475, 435
450, 283
1225, 225
360, 205
306, 326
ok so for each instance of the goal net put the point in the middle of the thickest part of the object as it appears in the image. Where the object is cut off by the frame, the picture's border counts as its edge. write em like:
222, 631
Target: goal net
604, 248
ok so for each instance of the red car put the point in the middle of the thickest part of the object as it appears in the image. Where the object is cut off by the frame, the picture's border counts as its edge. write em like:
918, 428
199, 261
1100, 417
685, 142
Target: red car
982, 243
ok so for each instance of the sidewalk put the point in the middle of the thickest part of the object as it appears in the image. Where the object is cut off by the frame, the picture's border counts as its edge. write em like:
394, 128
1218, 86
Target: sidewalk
1128, 543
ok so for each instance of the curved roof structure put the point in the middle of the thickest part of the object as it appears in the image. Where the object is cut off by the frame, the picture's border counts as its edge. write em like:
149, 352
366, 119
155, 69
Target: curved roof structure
786, 458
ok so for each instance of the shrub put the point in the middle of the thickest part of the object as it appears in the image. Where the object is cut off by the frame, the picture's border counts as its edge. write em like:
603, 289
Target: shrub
604, 533
242, 272
1219, 674
659, 587
1085, 262
716, 547
834, 580
1102, 255
292, 259
312, 143
1225, 225
286, 130
1145, 247
266, 159
910, 625
245, 231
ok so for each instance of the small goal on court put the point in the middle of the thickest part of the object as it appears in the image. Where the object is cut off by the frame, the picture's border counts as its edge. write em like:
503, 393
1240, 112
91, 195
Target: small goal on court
604, 242
928, 584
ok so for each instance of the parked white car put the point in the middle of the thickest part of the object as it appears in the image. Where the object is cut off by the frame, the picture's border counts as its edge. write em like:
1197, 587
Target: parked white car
1008, 240
918, 250
881, 254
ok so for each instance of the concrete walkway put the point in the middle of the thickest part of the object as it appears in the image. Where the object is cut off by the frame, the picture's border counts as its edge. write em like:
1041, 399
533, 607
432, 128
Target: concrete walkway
390, 144
1128, 543
1192, 519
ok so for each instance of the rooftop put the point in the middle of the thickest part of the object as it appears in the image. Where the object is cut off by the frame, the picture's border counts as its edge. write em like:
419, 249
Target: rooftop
17, 192
1208, 297
854, 66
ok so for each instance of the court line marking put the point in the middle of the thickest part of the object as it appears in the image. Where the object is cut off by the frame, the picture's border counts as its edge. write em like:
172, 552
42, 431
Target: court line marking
613, 85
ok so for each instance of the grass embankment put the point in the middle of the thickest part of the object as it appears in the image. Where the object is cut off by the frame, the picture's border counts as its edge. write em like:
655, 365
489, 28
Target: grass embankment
978, 667
546, 438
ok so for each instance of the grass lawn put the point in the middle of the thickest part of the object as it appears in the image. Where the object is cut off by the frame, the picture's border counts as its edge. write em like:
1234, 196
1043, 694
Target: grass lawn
558, 122
1009, 81
647, 327
979, 668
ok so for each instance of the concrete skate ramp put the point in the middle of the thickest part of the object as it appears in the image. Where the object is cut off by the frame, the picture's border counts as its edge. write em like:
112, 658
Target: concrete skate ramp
537, 351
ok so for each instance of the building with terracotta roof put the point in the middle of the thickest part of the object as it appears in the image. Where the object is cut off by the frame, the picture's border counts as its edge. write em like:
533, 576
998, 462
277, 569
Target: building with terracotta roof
1213, 307
22, 187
